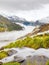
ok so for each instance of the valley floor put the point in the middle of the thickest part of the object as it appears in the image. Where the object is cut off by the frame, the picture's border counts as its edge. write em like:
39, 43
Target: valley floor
7, 37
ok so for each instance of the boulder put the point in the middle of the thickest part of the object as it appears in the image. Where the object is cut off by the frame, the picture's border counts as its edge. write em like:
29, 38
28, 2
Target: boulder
11, 52
19, 59
36, 60
1, 63
1, 48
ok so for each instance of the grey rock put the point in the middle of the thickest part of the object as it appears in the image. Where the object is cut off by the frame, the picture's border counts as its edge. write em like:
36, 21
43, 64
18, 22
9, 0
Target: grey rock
11, 52
36, 60
19, 59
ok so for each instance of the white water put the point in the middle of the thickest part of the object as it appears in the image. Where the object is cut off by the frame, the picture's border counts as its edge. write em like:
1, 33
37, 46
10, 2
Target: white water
24, 52
7, 37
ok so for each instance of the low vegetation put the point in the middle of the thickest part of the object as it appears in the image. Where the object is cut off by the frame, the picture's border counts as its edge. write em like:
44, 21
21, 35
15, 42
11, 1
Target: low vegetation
39, 41
47, 63
11, 63
3, 54
28, 63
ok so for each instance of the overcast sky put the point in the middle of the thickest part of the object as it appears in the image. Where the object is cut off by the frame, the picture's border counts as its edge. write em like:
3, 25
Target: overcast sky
29, 9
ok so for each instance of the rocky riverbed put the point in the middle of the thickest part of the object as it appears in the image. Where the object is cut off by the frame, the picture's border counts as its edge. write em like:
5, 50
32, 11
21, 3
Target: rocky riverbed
26, 54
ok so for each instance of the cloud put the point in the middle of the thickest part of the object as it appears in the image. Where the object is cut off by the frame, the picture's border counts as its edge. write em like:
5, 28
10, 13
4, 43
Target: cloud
22, 4
28, 9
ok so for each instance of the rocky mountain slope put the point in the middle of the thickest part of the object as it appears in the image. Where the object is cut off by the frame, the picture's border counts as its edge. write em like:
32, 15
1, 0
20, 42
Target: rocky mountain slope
7, 25
40, 29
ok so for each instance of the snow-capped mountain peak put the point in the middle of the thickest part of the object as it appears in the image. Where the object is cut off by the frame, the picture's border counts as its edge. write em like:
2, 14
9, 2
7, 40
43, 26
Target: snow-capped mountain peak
16, 18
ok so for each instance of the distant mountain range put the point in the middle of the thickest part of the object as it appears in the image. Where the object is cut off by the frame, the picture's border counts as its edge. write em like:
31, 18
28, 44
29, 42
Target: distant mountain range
7, 25
24, 21
16, 19
9, 22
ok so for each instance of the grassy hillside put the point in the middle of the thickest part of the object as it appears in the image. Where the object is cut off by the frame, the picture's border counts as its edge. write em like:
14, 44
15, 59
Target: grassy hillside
39, 41
7, 25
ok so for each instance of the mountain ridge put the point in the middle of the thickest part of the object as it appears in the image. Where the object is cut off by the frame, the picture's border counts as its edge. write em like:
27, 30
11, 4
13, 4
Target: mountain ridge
7, 25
